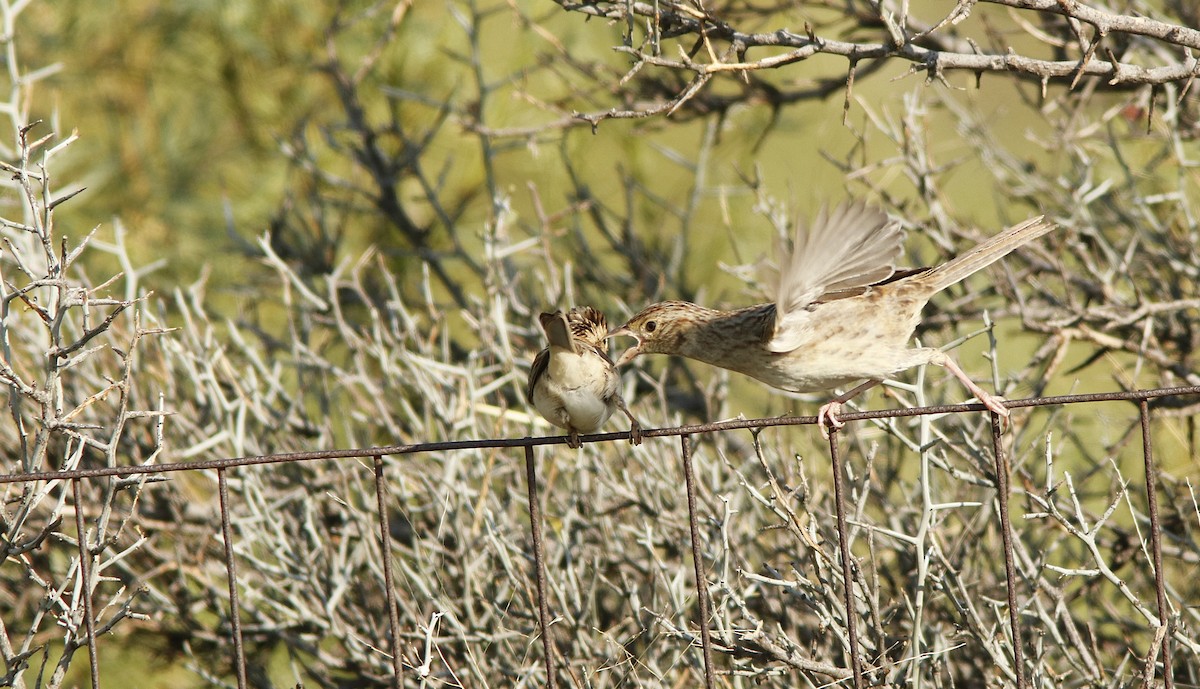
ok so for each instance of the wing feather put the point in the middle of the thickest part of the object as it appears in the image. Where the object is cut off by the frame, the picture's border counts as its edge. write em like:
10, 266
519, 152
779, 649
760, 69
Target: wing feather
840, 254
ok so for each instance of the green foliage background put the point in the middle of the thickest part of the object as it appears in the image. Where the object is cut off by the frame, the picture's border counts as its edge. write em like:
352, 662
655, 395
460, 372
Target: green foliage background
205, 125
185, 113
183, 109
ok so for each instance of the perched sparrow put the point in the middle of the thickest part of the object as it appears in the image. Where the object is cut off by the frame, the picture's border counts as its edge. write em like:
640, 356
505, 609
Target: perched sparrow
842, 313
573, 382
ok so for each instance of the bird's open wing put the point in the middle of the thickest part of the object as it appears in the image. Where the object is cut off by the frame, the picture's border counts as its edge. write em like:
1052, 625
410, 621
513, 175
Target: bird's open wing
840, 254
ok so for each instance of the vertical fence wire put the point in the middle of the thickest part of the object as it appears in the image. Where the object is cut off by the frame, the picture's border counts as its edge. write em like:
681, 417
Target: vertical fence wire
839, 498
1010, 569
385, 535
697, 561
1164, 613
702, 601
85, 587
539, 566
235, 613
1163, 632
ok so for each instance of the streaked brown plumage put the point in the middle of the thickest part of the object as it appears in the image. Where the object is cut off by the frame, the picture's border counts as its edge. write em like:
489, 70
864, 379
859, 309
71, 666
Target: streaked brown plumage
573, 382
842, 313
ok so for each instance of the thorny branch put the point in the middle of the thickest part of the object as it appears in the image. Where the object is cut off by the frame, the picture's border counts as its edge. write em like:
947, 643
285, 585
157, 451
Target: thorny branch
1122, 51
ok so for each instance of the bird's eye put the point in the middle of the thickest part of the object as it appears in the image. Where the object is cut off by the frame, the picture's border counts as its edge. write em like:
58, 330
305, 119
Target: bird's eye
651, 326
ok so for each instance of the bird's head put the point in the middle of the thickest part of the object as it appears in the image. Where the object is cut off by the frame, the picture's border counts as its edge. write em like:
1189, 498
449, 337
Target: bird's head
588, 325
659, 329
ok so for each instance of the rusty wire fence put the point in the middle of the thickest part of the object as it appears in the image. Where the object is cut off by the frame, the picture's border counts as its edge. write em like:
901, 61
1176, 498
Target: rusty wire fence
856, 669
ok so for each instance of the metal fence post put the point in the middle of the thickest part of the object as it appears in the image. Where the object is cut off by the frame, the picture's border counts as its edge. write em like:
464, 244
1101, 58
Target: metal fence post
235, 613
385, 535
1164, 613
539, 566
1010, 570
839, 495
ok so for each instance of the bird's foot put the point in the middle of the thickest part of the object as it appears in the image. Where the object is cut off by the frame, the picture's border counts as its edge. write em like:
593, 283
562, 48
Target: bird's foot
573, 440
995, 404
635, 432
827, 418
635, 428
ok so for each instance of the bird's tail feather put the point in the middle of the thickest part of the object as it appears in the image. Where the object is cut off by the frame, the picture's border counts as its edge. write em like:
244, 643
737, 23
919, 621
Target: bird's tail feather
984, 254
558, 331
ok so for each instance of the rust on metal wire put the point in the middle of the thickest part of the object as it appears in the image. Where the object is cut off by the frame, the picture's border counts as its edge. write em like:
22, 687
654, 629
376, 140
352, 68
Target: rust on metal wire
1018, 673
539, 566
385, 539
693, 429
839, 500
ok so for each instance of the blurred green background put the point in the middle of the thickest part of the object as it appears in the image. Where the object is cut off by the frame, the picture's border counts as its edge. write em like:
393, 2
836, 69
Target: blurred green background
198, 121
183, 109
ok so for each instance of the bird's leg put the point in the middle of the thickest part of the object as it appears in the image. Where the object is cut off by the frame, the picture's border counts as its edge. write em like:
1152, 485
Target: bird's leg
635, 428
827, 414
992, 402
573, 441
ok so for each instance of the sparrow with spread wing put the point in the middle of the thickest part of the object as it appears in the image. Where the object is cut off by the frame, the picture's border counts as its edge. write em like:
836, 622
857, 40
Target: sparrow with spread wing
842, 312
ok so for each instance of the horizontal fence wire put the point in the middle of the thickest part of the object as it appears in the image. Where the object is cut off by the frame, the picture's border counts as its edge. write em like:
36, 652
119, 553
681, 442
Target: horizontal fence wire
538, 564
535, 441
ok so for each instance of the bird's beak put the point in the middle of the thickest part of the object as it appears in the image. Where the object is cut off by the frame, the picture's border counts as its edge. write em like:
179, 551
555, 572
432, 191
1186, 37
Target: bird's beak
632, 351
618, 331
629, 354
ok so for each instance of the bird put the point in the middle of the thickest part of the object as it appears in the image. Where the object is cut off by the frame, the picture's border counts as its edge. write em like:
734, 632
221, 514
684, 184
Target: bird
841, 313
573, 382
